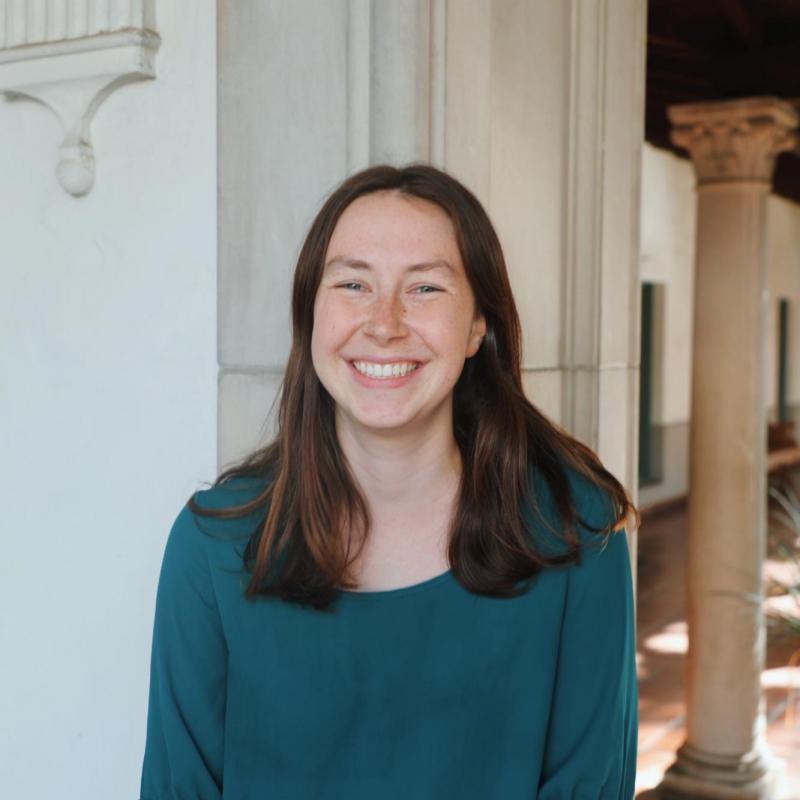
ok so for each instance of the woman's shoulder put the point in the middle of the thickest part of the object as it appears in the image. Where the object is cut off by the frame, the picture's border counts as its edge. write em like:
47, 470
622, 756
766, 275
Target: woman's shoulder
199, 523
595, 512
237, 490
601, 571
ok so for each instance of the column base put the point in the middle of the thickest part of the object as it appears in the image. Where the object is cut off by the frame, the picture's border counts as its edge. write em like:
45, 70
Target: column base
697, 775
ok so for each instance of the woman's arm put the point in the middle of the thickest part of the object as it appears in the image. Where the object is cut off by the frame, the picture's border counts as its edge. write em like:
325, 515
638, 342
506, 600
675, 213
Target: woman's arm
592, 734
186, 711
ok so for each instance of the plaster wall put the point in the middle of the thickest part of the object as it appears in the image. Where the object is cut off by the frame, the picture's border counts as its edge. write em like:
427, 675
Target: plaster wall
783, 282
108, 396
667, 258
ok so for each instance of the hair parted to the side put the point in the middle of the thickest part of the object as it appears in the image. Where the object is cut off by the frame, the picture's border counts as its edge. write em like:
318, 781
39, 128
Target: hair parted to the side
310, 499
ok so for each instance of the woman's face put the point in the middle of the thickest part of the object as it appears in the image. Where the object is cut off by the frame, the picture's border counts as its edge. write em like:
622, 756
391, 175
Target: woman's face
393, 297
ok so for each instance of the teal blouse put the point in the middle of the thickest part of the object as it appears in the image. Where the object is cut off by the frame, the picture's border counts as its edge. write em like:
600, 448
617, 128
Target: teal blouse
421, 692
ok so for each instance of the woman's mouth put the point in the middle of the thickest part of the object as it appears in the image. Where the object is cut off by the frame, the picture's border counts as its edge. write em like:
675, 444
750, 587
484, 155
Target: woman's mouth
395, 369
396, 373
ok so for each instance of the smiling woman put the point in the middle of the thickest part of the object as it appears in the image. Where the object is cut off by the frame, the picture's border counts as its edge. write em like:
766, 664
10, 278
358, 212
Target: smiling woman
420, 588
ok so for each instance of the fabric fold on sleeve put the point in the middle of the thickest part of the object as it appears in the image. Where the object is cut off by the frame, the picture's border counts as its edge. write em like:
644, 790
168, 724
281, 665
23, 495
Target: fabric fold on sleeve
591, 747
183, 756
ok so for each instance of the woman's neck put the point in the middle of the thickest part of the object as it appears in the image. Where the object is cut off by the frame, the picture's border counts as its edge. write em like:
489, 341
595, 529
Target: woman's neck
404, 477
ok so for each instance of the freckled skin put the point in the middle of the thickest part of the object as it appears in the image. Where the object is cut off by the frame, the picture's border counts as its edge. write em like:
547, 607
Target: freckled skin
389, 312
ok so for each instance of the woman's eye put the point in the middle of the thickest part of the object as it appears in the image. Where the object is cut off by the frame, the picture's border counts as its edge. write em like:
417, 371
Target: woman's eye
432, 288
357, 286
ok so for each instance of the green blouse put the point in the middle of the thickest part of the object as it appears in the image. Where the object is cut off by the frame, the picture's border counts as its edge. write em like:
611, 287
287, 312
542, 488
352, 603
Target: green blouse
421, 692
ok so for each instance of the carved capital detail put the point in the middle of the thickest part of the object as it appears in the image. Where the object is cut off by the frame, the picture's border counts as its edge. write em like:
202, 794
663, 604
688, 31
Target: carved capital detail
734, 140
71, 56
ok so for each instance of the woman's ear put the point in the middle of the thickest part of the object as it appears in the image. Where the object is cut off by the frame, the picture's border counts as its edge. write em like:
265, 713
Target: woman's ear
476, 334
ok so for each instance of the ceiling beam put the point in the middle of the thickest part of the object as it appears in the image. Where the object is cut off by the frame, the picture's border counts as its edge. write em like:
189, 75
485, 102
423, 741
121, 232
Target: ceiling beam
743, 22
769, 70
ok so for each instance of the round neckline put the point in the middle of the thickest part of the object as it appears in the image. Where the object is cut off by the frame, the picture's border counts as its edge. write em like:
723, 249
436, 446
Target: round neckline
401, 590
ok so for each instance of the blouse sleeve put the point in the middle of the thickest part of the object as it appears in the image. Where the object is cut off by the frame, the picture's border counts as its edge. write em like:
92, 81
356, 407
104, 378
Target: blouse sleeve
590, 751
186, 709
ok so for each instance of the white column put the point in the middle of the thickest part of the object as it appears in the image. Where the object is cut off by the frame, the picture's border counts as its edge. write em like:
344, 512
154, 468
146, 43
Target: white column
733, 146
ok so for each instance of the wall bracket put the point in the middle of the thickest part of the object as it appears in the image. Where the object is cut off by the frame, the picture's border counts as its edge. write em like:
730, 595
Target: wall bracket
72, 77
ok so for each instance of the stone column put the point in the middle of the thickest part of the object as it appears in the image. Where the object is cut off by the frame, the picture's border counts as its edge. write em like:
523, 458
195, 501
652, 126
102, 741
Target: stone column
733, 146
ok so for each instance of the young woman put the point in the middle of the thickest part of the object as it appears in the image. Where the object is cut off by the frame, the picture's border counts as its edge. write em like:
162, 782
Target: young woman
421, 588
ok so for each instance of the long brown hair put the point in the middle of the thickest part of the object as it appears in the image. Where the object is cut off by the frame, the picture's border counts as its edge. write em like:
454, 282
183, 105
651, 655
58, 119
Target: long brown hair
309, 498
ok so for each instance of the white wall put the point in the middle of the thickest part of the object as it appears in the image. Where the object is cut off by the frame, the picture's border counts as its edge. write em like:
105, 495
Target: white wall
667, 257
107, 409
783, 281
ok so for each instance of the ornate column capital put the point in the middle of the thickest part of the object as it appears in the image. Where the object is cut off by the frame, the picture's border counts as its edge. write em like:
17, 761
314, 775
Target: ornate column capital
734, 140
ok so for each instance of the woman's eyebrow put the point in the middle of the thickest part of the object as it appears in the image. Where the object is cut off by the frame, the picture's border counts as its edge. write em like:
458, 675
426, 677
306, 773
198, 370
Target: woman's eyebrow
356, 263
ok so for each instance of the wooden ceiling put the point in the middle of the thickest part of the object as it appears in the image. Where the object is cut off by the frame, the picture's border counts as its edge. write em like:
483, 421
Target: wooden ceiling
699, 50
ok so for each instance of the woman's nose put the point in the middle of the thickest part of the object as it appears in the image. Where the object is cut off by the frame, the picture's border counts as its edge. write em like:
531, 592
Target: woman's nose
386, 317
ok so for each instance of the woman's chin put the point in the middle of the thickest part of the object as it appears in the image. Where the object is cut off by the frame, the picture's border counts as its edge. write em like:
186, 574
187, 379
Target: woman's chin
380, 421
385, 425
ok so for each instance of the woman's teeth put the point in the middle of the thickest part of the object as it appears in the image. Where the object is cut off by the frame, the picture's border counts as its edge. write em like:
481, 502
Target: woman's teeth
398, 369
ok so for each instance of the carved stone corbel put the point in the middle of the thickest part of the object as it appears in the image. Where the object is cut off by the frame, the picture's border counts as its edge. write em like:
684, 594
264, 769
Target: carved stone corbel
74, 74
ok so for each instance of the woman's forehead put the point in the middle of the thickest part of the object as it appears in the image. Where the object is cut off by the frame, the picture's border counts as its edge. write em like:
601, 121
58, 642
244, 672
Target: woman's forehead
390, 223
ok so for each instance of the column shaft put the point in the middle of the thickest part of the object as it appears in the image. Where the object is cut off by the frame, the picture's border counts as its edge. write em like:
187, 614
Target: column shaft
733, 147
727, 455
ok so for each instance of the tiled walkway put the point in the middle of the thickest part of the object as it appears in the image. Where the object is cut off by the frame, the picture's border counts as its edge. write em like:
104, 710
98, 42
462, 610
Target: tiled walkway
661, 659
